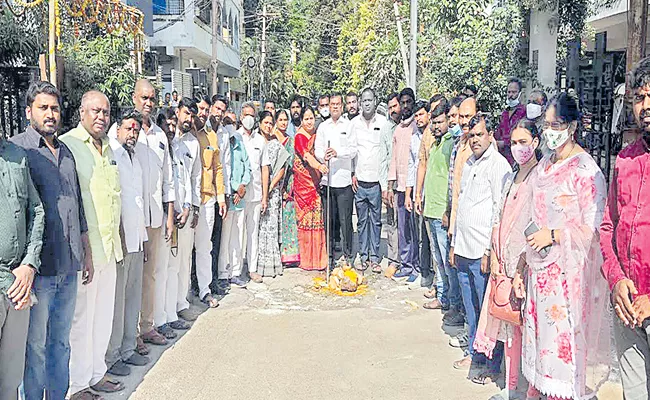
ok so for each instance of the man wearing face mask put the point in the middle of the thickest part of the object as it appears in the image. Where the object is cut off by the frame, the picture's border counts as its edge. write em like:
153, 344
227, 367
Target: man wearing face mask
397, 174
100, 192
257, 157
323, 109
335, 143
510, 117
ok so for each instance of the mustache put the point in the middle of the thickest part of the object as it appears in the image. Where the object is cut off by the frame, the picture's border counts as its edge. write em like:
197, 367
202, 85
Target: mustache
644, 113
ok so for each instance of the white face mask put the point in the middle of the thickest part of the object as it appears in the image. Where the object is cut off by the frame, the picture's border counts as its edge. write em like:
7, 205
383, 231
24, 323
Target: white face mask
555, 139
248, 122
325, 112
533, 111
512, 103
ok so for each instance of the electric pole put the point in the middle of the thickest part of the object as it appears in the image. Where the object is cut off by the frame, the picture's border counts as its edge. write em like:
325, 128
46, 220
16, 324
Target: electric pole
216, 17
402, 45
263, 58
637, 28
414, 44
52, 41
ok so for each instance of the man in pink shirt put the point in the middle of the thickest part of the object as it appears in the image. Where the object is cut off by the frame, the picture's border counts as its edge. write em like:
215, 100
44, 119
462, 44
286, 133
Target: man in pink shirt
623, 234
397, 173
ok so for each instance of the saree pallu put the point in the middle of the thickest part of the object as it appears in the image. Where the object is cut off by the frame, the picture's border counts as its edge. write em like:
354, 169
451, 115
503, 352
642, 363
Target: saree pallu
309, 210
289, 249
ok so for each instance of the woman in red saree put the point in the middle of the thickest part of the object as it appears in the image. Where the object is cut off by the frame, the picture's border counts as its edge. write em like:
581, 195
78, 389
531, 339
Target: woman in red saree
309, 211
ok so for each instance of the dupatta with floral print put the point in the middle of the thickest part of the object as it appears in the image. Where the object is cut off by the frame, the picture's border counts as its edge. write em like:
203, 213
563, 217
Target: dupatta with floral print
566, 331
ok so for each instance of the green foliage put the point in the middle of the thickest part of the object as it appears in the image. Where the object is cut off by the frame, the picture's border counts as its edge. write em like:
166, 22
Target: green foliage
21, 40
102, 63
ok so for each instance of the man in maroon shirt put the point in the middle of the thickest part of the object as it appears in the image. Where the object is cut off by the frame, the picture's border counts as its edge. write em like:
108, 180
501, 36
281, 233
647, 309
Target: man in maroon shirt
510, 117
623, 234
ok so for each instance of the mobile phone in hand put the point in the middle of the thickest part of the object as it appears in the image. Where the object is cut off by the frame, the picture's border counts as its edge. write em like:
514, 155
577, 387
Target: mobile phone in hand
532, 228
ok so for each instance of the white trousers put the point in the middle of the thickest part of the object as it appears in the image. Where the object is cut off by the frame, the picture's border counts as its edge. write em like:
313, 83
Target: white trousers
181, 265
230, 250
203, 246
91, 327
253, 212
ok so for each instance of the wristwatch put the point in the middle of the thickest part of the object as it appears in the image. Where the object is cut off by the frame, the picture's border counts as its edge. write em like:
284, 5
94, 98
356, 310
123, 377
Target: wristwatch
553, 236
187, 206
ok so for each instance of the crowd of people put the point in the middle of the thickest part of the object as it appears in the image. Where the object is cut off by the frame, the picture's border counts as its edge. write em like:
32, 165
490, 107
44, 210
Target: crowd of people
107, 229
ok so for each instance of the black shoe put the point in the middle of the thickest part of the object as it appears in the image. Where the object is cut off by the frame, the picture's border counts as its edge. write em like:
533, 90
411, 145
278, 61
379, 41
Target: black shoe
223, 287
137, 360
179, 325
239, 282
119, 369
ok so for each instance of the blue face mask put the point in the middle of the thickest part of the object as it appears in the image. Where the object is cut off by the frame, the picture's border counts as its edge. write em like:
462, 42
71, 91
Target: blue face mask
456, 130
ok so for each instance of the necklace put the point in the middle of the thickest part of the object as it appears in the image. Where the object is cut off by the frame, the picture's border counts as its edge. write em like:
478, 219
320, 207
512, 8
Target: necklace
555, 157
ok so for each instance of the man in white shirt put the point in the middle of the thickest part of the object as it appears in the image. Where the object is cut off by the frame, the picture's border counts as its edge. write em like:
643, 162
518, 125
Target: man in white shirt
336, 144
128, 288
158, 209
187, 175
367, 130
478, 204
256, 149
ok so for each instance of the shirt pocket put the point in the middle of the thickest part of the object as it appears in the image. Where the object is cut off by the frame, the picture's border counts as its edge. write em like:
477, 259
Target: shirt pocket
208, 158
18, 175
113, 177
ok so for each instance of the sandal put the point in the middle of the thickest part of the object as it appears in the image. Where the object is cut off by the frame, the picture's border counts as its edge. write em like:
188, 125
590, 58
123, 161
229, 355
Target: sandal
485, 378
210, 301
431, 294
141, 348
376, 268
432, 305
107, 385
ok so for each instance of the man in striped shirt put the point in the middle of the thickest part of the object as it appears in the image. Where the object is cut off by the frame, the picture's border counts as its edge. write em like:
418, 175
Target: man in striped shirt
480, 194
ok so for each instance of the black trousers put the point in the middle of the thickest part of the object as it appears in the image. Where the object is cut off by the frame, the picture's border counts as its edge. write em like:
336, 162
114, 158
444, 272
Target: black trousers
341, 203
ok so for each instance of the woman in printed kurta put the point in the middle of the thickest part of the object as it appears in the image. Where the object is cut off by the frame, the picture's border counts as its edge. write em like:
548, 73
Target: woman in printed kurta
289, 250
309, 210
269, 263
565, 353
508, 251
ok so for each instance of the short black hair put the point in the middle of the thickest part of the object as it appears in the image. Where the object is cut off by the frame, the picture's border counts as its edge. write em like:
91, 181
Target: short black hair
221, 98
457, 101
269, 101
323, 96
188, 103
202, 97
420, 104
298, 99
368, 89
540, 93
167, 94
478, 118
517, 81
528, 125
640, 75
352, 94
169, 113
266, 113
392, 96
129, 113
566, 107
407, 92
174, 92
442, 108
336, 94
437, 97
41, 87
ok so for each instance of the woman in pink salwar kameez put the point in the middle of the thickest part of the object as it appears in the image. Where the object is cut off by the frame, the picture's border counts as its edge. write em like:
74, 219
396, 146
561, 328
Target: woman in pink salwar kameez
566, 339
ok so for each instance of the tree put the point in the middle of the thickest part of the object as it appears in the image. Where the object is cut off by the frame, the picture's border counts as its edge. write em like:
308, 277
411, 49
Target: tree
21, 39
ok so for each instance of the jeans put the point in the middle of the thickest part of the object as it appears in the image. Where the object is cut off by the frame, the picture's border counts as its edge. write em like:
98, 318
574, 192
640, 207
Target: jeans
408, 237
447, 284
368, 201
48, 339
426, 265
472, 286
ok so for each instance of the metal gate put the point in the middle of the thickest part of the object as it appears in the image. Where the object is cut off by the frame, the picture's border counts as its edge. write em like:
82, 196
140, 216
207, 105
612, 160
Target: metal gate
14, 82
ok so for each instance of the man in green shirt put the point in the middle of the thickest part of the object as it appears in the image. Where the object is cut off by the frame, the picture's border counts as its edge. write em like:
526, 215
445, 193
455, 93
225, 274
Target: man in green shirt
432, 185
21, 239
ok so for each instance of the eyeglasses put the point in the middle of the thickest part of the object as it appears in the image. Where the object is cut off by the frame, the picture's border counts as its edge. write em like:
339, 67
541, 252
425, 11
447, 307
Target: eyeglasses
556, 126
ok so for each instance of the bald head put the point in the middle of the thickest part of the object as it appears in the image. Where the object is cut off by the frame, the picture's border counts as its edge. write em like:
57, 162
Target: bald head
95, 112
144, 99
466, 112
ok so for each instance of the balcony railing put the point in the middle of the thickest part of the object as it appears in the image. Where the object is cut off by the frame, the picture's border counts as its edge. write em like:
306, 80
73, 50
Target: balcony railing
204, 10
168, 7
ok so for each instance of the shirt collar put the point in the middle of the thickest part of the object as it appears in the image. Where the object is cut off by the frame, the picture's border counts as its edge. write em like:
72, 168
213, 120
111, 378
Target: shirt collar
37, 139
407, 121
486, 156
